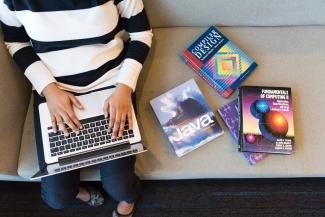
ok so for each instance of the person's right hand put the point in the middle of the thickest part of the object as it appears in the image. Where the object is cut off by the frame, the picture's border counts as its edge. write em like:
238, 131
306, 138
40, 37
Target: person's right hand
60, 104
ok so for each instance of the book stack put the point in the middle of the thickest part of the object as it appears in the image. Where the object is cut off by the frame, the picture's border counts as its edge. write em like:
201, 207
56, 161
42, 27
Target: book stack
260, 120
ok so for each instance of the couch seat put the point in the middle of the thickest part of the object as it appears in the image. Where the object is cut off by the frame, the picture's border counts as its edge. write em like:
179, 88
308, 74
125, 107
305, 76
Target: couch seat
287, 56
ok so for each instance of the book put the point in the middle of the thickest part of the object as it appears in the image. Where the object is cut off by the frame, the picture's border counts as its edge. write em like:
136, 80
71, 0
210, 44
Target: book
186, 117
229, 114
266, 120
218, 61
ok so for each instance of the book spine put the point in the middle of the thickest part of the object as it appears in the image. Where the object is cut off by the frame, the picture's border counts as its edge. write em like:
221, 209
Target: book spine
189, 61
240, 121
293, 126
228, 92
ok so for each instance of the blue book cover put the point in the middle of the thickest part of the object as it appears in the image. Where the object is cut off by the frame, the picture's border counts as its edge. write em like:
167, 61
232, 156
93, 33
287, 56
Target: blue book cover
218, 61
230, 115
186, 117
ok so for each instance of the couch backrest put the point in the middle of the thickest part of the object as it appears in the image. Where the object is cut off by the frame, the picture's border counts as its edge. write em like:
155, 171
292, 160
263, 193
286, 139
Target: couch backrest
164, 13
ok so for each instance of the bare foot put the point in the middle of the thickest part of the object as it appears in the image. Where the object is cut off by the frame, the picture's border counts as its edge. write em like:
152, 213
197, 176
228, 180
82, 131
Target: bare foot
125, 208
83, 195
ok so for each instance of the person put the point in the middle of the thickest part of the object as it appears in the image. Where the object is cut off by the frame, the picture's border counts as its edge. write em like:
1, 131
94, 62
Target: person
68, 47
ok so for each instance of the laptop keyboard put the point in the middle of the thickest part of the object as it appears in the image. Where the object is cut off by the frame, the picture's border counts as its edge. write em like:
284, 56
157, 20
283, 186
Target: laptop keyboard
93, 134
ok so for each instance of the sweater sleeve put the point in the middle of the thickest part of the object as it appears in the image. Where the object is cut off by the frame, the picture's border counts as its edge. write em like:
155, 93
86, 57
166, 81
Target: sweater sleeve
18, 43
136, 24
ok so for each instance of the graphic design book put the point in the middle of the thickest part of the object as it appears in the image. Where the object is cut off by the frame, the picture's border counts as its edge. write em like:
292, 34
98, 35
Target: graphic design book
186, 118
218, 61
266, 120
229, 114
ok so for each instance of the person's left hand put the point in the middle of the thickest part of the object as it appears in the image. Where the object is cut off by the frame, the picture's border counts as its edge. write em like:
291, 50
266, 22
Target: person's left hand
119, 107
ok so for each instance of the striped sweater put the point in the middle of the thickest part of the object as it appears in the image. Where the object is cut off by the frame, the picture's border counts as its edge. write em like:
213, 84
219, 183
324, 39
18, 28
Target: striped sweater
79, 44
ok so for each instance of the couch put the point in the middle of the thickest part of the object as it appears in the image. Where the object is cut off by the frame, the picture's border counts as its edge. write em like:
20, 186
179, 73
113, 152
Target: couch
286, 39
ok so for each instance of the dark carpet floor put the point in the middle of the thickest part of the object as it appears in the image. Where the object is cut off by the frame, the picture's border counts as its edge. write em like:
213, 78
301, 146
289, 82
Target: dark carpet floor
188, 198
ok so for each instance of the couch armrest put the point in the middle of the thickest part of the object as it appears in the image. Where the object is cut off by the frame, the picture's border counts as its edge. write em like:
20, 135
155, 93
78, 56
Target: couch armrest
15, 93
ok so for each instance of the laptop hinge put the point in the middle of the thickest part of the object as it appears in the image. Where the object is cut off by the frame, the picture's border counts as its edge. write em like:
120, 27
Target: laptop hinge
94, 153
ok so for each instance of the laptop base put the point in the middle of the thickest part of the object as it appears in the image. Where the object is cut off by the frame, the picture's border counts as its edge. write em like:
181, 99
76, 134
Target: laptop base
95, 158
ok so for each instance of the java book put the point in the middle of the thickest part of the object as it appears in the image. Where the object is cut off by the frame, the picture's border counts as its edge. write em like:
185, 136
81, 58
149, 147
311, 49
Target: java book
229, 114
186, 117
218, 61
266, 120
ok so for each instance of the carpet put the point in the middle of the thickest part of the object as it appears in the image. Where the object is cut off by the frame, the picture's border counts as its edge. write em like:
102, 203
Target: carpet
187, 198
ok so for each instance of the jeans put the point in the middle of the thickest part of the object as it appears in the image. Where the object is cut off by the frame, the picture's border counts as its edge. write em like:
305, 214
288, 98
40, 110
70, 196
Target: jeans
59, 191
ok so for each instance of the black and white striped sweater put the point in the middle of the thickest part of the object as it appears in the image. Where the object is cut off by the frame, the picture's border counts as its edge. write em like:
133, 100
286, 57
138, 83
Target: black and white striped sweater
79, 44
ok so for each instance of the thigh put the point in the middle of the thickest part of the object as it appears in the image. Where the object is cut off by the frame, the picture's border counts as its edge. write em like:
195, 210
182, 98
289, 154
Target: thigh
61, 183
60, 190
120, 167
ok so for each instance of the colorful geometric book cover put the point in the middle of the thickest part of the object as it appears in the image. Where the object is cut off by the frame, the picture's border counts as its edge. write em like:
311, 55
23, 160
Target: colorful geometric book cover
218, 61
186, 117
266, 120
229, 114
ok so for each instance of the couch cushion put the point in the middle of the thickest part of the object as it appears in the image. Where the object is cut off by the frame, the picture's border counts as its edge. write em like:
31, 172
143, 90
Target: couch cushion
287, 56
14, 97
167, 13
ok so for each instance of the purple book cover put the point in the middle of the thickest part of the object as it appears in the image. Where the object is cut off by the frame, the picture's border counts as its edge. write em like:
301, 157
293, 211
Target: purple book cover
186, 117
266, 120
229, 114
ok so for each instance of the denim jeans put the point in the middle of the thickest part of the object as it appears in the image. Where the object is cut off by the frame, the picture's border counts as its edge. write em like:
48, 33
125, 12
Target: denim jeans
59, 191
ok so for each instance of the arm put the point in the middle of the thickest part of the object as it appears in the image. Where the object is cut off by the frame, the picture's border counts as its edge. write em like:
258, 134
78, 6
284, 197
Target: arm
137, 25
19, 46
135, 20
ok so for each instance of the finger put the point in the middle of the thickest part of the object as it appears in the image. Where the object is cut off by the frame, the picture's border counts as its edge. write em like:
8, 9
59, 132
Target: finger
61, 125
74, 119
111, 119
68, 121
76, 102
122, 124
105, 109
117, 124
54, 124
130, 120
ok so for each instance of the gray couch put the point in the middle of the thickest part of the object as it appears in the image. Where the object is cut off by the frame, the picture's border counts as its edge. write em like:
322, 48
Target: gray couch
285, 37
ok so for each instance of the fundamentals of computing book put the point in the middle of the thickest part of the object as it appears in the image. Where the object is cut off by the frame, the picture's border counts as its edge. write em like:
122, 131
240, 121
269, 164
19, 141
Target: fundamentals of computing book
229, 114
266, 120
218, 61
186, 117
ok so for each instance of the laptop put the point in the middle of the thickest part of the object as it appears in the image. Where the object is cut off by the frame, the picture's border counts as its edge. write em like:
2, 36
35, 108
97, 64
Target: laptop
94, 145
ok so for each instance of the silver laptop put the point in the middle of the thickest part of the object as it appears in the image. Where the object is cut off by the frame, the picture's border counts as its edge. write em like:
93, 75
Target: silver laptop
93, 145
